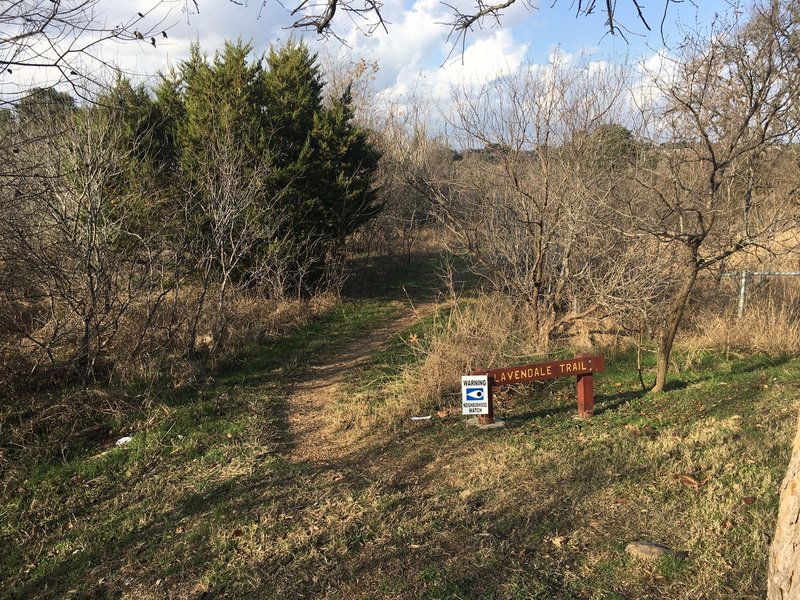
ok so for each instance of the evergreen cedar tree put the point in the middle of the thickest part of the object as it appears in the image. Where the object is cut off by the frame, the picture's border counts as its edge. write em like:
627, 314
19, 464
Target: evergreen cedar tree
323, 161
318, 163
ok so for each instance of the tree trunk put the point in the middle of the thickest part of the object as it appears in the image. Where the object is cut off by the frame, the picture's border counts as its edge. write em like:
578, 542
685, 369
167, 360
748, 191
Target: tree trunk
192, 345
674, 318
783, 579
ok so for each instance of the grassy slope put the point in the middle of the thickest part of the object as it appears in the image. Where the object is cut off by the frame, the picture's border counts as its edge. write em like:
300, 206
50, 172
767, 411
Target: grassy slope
207, 501
545, 508
109, 517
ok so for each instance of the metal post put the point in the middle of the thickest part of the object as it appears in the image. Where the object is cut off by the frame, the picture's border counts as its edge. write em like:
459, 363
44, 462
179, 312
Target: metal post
489, 418
742, 288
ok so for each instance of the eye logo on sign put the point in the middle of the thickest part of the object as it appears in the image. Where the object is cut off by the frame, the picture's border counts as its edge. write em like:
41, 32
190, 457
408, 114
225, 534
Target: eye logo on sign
475, 394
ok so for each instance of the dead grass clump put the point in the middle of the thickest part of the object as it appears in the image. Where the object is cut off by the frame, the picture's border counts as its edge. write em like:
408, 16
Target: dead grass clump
148, 342
460, 338
603, 335
253, 319
770, 325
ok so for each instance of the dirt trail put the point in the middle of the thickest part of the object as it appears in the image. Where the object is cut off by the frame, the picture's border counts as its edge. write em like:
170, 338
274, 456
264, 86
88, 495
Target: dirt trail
315, 438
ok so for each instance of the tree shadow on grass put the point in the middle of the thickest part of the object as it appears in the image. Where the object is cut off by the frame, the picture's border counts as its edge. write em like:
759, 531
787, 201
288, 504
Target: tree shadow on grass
467, 548
417, 280
169, 538
759, 363
533, 415
603, 403
678, 384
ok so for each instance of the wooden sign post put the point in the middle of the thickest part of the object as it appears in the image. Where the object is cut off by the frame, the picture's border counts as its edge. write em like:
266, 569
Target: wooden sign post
581, 367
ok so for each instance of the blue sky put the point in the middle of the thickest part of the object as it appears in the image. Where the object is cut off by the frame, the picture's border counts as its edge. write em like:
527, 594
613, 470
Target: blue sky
414, 50
547, 27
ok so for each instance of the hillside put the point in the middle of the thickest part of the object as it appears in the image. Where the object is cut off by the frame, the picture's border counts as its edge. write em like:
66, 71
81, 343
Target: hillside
263, 484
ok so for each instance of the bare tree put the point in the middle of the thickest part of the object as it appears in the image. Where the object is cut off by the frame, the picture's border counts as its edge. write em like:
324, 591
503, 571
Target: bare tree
236, 225
408, 152
522, 198
728, 110
61, 40
74, 264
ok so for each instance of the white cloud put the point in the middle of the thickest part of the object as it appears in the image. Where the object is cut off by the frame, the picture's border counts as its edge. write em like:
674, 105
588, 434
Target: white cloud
484, 60
652, 72
415, 38
410, 56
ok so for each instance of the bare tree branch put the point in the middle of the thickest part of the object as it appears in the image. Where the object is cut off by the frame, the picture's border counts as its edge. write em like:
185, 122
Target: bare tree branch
319, 16
60, 39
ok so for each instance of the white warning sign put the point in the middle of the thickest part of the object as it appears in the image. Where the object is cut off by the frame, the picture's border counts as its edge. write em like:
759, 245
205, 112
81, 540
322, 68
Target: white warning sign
475, 394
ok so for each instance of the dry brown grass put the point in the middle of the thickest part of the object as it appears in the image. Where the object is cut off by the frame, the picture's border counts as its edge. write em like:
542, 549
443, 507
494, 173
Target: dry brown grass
770, 324
457, 338
149, 346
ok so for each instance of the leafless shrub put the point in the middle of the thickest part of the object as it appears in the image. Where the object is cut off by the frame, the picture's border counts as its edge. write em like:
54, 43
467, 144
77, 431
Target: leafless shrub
407, 153
227, 189
722, 122
73, 262
94, 280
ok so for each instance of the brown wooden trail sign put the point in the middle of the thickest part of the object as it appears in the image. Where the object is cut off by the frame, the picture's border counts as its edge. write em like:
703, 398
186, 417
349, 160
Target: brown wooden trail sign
581, 367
